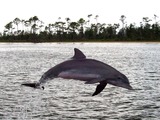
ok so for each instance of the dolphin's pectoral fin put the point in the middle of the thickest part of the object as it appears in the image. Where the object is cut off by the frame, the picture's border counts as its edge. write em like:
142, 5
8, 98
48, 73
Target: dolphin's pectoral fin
99, 88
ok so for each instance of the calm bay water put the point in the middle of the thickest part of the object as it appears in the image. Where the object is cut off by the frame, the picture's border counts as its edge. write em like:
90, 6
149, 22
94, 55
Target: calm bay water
70, 99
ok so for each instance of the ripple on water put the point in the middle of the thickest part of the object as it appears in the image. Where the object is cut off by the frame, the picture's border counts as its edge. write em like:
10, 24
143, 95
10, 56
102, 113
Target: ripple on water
69, 99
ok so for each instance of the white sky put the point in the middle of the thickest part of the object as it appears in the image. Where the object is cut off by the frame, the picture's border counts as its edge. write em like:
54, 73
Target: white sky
48, 11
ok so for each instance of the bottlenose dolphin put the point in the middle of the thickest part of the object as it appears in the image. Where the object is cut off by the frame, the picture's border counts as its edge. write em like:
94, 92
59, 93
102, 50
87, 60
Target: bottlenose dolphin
89, 70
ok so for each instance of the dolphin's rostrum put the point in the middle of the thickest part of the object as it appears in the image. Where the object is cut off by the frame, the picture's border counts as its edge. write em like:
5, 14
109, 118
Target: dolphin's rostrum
89, 70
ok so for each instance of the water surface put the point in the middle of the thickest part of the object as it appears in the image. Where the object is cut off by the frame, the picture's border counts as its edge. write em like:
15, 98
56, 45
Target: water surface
69, 99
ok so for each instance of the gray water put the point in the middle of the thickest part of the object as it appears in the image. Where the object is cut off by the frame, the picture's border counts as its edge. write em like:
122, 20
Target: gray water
70, 99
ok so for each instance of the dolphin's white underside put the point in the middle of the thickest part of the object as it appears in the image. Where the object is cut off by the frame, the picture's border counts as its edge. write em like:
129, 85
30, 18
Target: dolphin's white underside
73, 74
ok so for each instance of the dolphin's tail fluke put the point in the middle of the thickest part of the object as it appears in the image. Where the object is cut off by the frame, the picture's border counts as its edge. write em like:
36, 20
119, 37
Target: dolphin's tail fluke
33, 85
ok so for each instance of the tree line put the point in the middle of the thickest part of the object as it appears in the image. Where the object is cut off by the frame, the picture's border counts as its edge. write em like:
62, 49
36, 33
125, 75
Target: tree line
34, 30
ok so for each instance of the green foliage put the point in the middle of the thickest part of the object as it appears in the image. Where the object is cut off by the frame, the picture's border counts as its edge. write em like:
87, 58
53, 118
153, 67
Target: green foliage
33, 30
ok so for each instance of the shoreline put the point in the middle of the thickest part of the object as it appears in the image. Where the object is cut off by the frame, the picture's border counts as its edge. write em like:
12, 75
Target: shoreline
87, 41
80, 43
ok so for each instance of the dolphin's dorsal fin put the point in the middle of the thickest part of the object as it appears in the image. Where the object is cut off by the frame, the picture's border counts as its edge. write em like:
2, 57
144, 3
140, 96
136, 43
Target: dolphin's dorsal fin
78, 54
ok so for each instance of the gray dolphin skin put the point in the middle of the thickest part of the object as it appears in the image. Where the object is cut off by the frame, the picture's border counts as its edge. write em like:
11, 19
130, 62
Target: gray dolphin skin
89, 70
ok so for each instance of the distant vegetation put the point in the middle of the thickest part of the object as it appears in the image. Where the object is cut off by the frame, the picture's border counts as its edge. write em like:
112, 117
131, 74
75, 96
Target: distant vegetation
34, 30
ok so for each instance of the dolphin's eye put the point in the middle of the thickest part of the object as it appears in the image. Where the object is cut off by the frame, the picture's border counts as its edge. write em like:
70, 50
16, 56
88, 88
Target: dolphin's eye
119, 78
43, 87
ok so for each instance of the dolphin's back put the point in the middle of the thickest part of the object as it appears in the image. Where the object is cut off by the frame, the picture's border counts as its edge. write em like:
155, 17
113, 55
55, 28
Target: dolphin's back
86, 70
